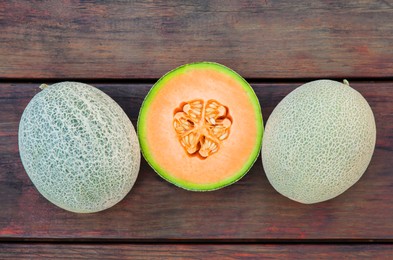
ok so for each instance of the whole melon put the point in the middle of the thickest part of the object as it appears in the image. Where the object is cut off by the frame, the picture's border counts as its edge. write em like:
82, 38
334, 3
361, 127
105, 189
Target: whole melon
78, 147
318, 141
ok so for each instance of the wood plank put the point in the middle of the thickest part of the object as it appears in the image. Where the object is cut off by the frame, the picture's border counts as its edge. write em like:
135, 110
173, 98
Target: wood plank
185, 251
157, 210
145, 39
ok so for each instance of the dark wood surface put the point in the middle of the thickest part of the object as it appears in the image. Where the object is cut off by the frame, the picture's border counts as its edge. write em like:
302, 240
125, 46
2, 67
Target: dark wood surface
145, 39
157, 210
122, 48
193, 251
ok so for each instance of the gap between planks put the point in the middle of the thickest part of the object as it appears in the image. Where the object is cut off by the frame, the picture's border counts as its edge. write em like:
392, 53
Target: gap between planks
195, 241
152, 81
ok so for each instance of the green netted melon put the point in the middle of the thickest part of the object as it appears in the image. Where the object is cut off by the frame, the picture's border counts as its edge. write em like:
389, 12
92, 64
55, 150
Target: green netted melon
318, 141
78, 147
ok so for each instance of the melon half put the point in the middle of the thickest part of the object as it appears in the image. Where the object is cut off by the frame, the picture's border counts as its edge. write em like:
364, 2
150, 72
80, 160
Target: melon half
200, 126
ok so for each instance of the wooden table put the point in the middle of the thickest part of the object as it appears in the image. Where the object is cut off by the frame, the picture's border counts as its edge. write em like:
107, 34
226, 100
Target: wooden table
123, 48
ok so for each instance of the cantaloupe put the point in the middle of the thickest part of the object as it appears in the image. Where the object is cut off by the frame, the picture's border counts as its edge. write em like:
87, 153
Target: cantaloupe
78, 147
318, 141
200, 126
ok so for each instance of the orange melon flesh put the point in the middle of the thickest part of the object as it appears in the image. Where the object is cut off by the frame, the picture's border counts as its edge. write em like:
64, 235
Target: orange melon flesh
160, 142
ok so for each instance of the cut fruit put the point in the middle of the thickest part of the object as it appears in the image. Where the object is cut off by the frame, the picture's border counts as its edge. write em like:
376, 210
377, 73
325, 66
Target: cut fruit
200, 126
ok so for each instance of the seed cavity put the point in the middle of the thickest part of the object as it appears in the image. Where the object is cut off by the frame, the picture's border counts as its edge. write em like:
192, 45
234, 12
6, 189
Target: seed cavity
202, 127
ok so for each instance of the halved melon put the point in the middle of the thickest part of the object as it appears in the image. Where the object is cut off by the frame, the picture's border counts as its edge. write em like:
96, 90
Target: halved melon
200, 126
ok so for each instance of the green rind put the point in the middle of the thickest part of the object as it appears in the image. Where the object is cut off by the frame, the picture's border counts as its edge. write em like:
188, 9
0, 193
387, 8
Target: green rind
145, 109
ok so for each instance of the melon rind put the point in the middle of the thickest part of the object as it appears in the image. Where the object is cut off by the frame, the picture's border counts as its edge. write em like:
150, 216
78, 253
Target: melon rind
144, 111
78, 147
318, 141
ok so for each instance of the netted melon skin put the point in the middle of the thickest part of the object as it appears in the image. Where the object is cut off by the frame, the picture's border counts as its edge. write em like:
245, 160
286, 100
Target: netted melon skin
318, 141
78, 147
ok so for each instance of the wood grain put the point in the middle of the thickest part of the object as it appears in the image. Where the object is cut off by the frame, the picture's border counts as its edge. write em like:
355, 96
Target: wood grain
145, 39
182, 251
156, 210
